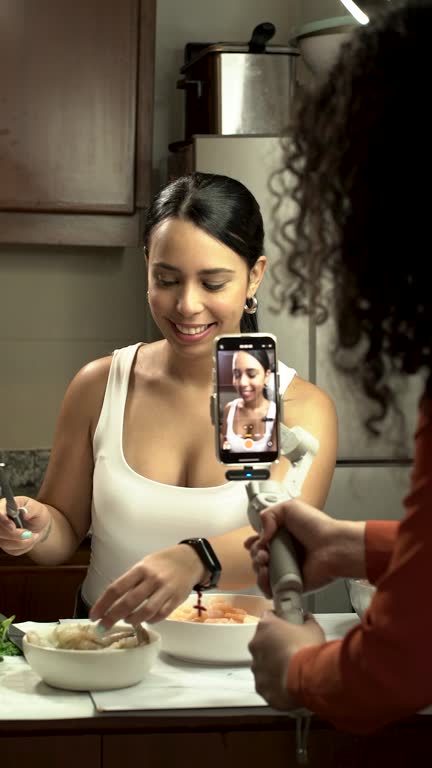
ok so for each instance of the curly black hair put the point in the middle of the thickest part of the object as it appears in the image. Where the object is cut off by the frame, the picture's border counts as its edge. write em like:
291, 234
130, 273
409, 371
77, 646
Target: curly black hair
360, 149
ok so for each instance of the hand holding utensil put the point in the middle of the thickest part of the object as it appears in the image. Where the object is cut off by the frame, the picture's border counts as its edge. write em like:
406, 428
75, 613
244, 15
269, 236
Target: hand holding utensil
13, 512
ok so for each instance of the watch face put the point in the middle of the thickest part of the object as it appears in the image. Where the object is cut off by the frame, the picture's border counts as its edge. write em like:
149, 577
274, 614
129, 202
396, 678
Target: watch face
208, 557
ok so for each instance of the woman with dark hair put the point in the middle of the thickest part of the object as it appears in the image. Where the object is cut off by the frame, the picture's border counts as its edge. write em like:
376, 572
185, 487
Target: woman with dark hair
360, 144
225, 210
133, 456
249, 421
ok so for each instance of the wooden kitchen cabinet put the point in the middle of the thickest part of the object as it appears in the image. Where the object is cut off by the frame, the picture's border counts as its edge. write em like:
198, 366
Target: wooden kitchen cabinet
397, 746
53, 751
33, 592
218, 738
76, 114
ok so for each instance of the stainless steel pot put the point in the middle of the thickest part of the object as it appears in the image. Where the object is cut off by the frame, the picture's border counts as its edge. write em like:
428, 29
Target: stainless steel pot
238, 88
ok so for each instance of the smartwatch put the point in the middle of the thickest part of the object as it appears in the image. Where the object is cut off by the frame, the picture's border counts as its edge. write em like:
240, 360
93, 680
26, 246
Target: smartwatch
208, 557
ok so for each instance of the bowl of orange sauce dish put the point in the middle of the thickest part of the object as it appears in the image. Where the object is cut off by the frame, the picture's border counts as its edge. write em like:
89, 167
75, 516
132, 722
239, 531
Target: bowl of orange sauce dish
217, 631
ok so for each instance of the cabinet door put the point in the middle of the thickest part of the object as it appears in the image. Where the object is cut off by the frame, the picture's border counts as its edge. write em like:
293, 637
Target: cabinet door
40, 593
397, 746
68, 91
53, 751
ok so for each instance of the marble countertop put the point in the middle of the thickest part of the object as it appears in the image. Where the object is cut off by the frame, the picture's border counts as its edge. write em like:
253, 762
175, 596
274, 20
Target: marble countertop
171, 687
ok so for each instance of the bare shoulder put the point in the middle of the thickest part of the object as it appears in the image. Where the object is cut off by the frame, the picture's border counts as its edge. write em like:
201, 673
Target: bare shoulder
84, 396
308, 406
307, 403
150, 359
92, 376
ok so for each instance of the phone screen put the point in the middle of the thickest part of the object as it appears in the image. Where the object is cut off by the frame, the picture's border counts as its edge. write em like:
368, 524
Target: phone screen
246, 398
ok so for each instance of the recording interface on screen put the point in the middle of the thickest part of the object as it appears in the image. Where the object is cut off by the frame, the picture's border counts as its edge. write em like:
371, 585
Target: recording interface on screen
247, 401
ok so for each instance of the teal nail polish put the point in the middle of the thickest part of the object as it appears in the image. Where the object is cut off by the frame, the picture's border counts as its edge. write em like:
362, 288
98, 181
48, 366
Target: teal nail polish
100, 628
26, 535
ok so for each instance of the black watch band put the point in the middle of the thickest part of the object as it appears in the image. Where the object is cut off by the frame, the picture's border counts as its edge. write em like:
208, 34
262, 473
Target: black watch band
208, 557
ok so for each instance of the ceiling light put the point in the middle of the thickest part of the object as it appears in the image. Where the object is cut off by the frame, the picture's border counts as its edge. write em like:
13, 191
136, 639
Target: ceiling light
361, 8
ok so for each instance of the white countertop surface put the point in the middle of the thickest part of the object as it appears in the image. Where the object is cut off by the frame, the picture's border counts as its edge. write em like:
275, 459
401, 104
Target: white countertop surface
171, 685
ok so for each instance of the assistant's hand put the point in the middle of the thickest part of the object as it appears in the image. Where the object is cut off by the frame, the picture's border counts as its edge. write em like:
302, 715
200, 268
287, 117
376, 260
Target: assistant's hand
332, 547
274, 644
18, 541
151, 589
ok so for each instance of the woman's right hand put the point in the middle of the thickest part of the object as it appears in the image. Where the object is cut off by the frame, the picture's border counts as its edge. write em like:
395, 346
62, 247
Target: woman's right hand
333, 548
151, 589
18, 541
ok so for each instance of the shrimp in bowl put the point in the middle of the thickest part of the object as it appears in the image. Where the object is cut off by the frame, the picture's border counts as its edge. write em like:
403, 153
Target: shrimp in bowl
216, 632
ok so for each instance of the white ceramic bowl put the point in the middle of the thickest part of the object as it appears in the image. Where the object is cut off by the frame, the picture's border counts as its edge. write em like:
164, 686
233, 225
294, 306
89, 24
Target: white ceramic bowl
320, 41
213, 643
361, 593
92, 670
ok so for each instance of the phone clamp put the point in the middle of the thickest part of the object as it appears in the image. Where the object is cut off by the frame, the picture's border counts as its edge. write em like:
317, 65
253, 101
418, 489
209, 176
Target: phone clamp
248, 473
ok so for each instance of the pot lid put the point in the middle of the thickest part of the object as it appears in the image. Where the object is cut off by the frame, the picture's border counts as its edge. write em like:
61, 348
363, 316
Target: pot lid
240, 48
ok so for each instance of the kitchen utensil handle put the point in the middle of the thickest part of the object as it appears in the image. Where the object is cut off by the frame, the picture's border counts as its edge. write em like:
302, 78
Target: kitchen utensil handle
285, 577
12, 510
284, 554
185, 84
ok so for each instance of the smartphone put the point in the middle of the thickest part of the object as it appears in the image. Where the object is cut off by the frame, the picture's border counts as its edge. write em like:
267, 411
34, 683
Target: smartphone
245, 402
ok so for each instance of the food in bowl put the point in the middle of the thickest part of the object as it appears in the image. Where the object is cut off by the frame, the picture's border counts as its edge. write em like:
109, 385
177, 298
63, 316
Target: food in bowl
211, 642
217, 610
105, 667
85, 637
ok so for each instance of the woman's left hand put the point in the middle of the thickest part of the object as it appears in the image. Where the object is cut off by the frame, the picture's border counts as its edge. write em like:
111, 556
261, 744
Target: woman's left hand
274, 644
151, 589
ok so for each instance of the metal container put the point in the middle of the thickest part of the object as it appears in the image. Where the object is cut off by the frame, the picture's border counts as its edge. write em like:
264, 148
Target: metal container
235, 88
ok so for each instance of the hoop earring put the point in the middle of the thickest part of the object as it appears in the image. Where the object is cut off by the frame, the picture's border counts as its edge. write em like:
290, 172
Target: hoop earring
251, 308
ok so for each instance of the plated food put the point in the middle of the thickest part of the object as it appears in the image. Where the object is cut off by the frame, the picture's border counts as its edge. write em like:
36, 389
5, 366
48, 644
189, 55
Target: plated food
215, 610
212, 638
86, 637
78, 658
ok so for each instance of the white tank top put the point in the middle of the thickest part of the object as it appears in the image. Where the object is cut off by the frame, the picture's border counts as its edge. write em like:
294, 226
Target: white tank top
237, 442
133, 516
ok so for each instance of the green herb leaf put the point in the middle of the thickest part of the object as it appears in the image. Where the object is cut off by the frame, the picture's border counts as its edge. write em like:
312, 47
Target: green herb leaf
4, 626
7, 648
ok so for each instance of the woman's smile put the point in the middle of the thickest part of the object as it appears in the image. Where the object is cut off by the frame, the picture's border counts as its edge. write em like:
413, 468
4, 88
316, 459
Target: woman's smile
247, 394
192, 333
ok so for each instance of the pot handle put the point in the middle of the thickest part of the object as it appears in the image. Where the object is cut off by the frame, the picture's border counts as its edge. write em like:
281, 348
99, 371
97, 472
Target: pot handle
260, 37
198, 84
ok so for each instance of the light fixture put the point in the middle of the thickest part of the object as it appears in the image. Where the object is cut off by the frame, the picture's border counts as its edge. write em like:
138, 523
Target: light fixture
361, 8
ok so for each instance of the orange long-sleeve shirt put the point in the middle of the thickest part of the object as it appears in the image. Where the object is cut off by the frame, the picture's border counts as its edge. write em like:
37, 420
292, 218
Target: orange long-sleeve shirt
382, 670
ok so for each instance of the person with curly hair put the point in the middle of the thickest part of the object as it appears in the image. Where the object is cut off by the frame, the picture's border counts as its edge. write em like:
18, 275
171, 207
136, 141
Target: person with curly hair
360, 146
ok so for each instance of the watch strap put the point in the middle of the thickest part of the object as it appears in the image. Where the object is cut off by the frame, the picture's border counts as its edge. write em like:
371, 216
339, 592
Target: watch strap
208, 557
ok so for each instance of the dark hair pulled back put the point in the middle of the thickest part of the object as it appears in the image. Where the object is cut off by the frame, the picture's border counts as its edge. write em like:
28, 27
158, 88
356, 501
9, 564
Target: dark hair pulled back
223, 208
